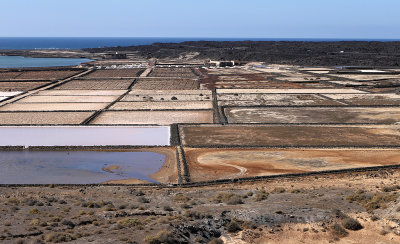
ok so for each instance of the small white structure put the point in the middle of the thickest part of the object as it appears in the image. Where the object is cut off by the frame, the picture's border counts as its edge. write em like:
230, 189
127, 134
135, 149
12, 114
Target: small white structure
224, 63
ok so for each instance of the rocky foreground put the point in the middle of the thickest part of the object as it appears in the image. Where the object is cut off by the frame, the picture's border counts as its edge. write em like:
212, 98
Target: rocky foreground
347, 208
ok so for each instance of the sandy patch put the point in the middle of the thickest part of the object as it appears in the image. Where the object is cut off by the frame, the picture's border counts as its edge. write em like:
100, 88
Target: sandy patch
81, 93
53, 106
154, 117
37, 118
217, 163
313, 115
68, 99
290, 135
161, 105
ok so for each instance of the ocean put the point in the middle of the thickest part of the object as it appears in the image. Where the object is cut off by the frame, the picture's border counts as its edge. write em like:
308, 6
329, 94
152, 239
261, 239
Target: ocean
93, 42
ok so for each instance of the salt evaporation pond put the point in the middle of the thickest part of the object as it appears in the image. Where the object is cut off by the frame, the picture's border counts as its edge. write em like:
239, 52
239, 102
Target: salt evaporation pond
77, 167
84, 136
25, 62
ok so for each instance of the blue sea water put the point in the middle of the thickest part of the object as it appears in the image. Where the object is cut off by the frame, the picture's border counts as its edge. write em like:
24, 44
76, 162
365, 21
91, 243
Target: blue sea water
93, 42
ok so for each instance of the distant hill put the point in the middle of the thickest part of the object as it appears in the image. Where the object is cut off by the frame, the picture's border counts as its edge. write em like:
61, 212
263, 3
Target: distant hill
284, 52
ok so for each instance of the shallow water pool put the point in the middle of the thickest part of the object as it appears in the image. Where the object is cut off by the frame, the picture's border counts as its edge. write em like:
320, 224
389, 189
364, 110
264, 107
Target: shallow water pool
84, 136
77, 167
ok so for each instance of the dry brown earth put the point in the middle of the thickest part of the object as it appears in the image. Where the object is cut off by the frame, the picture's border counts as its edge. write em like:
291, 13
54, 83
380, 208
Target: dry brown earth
290, 135
387, 115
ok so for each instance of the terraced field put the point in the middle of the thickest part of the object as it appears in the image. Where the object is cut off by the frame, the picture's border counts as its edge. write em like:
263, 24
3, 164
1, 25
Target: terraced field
165, 84
225, 123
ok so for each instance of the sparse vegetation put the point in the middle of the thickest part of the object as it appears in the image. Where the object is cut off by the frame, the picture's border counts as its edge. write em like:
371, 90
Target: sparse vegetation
131, 223
261, 195
59, 237
279, 190
34, 211
351, 224
390, 188
372, 202
143, 200
168, 208
161, 237
216, 241
181, 198
338, 231
233, 226
228, 198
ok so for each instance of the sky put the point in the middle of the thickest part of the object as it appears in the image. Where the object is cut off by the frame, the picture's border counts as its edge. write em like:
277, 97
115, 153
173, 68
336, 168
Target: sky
201, 18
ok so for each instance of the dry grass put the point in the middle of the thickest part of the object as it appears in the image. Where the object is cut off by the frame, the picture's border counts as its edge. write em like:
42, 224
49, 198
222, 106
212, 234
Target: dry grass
372, 202
180, 198
131, 223
228, 198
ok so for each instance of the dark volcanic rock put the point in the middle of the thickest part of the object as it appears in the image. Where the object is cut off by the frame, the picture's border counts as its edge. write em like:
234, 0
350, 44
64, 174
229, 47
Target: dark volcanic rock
356, 53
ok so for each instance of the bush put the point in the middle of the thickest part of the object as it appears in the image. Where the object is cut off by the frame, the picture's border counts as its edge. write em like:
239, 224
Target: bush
68, 223
130, 223
279, 190
110, 207
35, 222
193, 215
338, 230
216, 241
351, 224
339, 214
143, 200
34, 211
180, 198
233, 226
228, 198
261, 196
168, 208
59, 237
370, 203
91, 204
391, 188
185, 206
296, 191
163, 236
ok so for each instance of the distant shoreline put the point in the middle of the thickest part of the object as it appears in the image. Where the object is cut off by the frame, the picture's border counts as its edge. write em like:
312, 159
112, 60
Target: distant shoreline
311, 53
337, 53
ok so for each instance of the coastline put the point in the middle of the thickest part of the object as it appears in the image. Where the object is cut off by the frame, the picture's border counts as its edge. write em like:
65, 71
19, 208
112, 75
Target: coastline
304, 53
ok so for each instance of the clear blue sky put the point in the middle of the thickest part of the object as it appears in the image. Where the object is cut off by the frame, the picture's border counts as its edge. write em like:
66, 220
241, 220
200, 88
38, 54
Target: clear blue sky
201, 18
